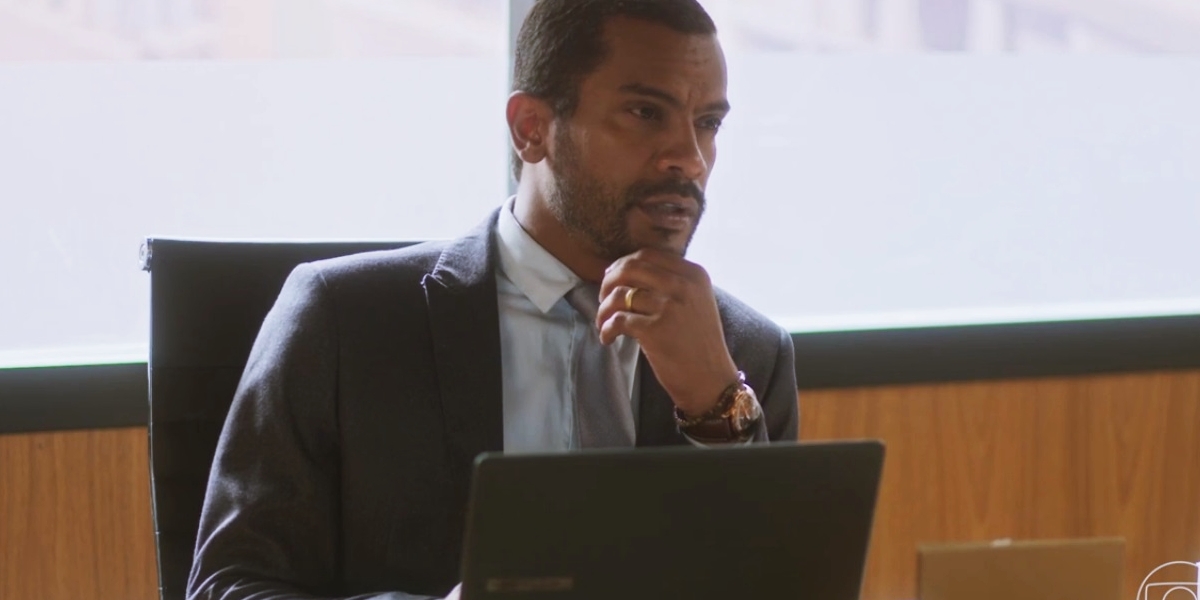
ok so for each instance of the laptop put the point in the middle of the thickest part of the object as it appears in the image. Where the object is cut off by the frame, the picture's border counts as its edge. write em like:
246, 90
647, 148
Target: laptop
781, 520
1081, 569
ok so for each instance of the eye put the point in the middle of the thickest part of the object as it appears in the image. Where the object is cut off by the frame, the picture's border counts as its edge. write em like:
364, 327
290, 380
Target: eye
646, 112
711, 123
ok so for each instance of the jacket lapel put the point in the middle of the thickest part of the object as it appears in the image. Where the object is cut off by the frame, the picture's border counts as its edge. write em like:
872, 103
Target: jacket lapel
465, 322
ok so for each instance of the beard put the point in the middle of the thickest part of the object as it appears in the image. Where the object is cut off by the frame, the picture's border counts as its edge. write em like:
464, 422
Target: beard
597, 213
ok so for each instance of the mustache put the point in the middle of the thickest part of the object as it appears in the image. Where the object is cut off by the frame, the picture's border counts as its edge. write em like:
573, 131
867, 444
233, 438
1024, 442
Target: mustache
680, 187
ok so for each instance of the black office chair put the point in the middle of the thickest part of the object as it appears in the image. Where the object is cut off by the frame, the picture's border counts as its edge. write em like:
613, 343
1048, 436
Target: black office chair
207, 301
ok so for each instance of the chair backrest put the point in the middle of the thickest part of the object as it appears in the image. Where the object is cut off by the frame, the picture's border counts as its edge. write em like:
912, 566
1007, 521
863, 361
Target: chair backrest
207, 302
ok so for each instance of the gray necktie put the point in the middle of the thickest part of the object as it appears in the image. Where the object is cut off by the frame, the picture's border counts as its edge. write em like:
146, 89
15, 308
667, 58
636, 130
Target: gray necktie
603, 413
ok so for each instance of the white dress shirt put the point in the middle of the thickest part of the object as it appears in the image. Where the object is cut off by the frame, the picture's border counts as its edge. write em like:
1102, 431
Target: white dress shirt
538, 331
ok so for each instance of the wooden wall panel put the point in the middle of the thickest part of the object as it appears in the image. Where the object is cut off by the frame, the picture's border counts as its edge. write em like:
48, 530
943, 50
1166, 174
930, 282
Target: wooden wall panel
1034, 459
1042, 458
75, 518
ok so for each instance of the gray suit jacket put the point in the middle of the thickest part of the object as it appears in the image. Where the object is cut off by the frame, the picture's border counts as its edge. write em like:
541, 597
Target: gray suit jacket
345, 461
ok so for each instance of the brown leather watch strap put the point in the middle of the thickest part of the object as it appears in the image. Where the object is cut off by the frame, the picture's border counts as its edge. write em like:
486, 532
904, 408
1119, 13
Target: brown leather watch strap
732, 420
718, 411
713, 431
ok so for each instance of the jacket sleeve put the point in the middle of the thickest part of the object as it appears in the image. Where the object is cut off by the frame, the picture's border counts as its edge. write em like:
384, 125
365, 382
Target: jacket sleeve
779, 398
270, 529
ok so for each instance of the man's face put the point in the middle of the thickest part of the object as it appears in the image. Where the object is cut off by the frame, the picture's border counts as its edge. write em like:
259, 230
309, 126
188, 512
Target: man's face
631, 164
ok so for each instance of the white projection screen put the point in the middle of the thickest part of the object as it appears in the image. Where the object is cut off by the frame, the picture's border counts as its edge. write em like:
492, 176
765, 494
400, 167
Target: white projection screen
887, 164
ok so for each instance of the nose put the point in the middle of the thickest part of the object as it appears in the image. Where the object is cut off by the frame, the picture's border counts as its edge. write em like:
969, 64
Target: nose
684, 157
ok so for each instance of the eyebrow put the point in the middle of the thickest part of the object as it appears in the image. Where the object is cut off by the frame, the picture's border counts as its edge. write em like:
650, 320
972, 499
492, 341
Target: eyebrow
642, 89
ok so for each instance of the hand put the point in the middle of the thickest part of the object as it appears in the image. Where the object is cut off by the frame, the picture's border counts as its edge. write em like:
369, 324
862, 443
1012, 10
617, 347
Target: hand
454, 593
674, 317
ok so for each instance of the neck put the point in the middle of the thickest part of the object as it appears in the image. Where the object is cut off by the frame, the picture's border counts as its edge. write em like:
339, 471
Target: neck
533, 212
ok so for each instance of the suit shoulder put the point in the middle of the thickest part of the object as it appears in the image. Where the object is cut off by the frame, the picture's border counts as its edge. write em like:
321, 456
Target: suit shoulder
743, 323
399, 266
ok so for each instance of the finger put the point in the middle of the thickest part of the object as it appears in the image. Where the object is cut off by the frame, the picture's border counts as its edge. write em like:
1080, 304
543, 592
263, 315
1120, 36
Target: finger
650, 266
642, 275
658, 256
625, 323
633, 299
629, 299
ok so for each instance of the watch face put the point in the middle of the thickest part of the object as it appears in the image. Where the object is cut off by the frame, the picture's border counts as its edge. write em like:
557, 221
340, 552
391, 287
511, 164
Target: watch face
745, 410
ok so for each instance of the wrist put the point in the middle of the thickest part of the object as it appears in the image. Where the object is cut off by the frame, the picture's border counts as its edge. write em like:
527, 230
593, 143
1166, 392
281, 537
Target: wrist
733, 418
708, 395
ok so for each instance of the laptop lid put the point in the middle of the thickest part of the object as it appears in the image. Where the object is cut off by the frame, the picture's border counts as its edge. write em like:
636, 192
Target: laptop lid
1083, 569
741, 522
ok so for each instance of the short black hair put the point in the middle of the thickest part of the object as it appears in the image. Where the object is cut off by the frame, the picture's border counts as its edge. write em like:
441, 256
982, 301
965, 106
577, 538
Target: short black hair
562, 41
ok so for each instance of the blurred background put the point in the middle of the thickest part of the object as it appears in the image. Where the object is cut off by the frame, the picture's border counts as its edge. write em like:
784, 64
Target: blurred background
898, 163
891, 169
255, 29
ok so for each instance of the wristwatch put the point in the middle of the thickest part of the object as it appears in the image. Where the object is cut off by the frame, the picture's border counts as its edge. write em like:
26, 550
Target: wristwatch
732, 420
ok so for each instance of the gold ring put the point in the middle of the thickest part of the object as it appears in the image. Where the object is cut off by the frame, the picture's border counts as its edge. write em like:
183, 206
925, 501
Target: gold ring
629, 299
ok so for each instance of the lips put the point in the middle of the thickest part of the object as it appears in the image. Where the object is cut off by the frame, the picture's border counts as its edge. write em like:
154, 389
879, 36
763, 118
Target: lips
670, 211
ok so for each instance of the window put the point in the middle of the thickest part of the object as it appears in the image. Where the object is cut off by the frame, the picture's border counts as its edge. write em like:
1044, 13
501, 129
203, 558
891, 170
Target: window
888, 163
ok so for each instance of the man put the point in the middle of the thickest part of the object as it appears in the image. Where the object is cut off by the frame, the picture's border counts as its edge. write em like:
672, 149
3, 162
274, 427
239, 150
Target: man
376, 379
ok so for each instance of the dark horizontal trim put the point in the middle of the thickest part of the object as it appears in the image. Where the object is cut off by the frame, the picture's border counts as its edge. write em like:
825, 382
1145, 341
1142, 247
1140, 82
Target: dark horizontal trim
75, 397
101, 396
1016, 350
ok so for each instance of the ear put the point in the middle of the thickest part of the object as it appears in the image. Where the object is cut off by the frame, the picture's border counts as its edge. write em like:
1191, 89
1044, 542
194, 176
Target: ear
529, 121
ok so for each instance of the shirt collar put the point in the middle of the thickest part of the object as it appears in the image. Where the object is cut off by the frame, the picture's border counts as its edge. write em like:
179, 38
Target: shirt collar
540, 276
